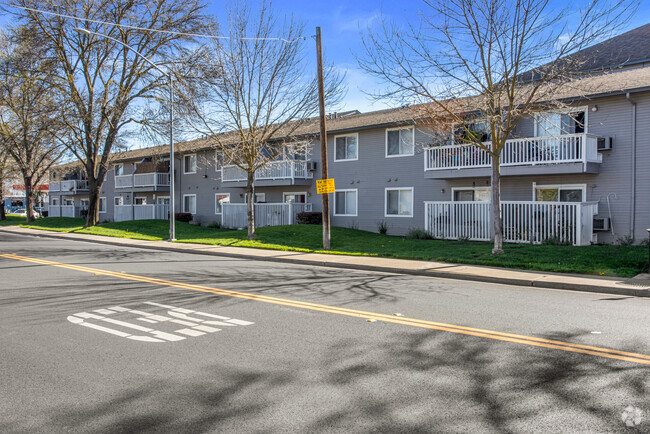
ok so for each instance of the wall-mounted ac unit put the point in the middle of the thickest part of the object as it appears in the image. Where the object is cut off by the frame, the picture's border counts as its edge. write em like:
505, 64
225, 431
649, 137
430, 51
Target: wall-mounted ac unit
601, 224
604, 143
311, 166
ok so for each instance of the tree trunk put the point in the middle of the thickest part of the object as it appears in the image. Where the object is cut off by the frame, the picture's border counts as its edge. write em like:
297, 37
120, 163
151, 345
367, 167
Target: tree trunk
250, 206
3, 216
496, 205
94, 192
29, 198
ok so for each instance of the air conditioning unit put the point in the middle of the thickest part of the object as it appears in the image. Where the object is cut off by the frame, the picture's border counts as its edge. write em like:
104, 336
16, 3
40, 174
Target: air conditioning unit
604, 143
601, 224
311, 166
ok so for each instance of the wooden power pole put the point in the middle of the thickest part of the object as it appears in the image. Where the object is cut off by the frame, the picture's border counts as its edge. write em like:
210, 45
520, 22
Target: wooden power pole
323, 140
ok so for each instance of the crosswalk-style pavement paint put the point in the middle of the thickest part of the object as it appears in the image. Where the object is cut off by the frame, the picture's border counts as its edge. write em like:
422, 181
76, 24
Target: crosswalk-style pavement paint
165, 317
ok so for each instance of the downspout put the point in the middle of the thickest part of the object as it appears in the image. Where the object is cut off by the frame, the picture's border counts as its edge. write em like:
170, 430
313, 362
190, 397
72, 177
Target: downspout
633, 171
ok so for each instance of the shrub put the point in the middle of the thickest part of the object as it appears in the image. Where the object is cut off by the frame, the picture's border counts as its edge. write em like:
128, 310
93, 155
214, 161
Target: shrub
183, 217
418, 234
382, 227
309, 218
555, 242
625, 241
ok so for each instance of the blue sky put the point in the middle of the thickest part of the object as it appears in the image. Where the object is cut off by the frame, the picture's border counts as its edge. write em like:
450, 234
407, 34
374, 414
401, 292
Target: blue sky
343, 21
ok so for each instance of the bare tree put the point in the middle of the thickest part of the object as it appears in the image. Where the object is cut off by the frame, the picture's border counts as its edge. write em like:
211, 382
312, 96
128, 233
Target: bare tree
103, 79
7, 172
255, 92
29, 121
490, 61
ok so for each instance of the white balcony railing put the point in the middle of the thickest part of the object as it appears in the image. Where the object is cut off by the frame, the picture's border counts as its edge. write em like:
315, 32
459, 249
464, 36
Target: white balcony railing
285, 169
141, 212
570, 148
123, 181
235, 215
153, 179
69, 186
523, 222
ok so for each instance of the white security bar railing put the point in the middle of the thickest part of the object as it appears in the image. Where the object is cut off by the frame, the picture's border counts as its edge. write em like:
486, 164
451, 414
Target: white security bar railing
285, 169
523, 222
123, 181
235, 215
69, 186
153, 179
570, 148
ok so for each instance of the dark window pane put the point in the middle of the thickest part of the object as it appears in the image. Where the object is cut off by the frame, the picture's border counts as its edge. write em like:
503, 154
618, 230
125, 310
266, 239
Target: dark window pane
393, 142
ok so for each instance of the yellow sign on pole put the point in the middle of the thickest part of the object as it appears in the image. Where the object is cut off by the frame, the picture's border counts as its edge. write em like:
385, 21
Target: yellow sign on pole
324, 186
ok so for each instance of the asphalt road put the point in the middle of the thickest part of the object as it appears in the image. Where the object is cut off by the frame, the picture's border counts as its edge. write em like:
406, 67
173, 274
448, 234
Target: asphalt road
137, 341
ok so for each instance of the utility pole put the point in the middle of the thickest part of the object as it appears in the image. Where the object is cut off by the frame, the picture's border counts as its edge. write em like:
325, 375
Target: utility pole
323, 140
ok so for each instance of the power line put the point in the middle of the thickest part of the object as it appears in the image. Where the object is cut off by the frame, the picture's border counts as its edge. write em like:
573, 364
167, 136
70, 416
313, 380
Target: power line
171, 32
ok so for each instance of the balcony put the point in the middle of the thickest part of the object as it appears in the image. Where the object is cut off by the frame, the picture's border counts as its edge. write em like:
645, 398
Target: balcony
285, 172
70, 187
523, 222
566, 154
153, 181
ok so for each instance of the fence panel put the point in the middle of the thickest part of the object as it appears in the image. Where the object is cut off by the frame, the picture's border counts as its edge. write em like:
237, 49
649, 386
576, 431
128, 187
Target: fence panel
143, 212
122, 213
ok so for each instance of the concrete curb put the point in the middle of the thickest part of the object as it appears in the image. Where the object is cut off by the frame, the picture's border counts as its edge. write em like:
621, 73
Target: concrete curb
537, 280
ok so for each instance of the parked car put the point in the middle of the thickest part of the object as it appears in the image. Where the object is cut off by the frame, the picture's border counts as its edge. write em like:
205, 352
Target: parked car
23, 212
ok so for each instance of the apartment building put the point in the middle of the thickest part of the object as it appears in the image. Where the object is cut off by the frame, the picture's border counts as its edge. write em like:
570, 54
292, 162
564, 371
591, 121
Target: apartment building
579, 175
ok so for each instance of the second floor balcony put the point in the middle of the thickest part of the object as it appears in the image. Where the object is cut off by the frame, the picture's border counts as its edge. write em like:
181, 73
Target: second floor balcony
74, 186
565, 154
153, 180
282, 172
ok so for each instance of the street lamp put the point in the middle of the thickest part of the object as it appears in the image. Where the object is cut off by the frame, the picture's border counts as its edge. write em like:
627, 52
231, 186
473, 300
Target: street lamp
172, 225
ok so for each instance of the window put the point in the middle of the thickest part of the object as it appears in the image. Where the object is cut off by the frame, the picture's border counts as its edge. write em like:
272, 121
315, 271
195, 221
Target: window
162, 200
399, 202
559, 193
140, 200
119, 169
345, 202
55, 201
84, 203
102, 204
68, 202
219, 159
189, 203
189, 163
219, 200
294, 197
400, 142
118, 201
560, 123
259, 198
471, 195
346, 147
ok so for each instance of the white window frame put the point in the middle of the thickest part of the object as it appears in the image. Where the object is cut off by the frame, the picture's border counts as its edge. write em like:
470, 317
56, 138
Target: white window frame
196, 164
54, 201
387, 189
216, 202
455, 189
144, 198
356, 202
284, 194
563, 112
188, 195
399, 129
121, 166
559, 187
161, 197
67, 201
103, 199
218, 166
346, 135
117, 199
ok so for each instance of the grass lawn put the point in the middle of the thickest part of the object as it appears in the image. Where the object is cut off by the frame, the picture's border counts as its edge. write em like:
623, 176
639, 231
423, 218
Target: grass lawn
624, 261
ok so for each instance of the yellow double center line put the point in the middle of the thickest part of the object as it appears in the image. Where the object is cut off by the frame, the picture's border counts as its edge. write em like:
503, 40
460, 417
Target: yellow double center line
413, 322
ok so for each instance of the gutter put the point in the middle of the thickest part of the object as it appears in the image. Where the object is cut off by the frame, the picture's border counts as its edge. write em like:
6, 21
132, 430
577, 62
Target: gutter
633, 167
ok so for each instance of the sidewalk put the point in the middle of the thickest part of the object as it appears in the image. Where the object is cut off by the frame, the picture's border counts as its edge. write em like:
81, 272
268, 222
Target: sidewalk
638, 286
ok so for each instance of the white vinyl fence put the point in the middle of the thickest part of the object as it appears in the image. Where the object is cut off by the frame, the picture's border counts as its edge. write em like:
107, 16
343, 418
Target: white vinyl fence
234, 215
523, 222
141, 212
